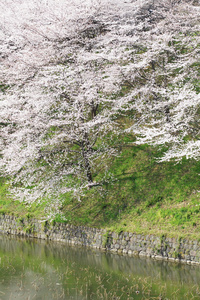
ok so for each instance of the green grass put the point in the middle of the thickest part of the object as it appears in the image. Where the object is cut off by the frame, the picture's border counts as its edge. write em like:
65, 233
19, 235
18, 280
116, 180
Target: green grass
12, 206
144, 196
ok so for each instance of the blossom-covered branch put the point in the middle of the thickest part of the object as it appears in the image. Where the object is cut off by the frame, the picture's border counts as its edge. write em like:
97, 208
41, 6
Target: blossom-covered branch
71, 69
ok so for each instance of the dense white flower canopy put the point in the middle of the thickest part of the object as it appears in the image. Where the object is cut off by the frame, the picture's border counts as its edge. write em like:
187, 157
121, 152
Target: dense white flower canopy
68, 68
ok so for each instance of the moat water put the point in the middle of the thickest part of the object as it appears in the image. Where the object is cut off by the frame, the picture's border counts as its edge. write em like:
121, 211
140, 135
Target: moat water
39, 270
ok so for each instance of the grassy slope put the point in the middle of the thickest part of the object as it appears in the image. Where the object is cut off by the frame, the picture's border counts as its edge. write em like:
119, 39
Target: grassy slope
8, 205
145, 196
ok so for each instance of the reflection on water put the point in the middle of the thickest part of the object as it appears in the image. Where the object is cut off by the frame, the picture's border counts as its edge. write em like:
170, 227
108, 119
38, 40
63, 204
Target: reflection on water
34, 269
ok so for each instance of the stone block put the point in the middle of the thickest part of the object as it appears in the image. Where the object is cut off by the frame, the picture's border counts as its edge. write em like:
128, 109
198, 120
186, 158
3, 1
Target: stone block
171, 259
125, 251
113, 250
124, 243
117, 246
193, 253
158, 257
142, 253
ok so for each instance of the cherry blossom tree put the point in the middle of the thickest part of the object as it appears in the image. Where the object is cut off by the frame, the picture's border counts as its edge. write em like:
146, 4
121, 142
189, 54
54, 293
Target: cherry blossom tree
56, 112
71, 69
165, 80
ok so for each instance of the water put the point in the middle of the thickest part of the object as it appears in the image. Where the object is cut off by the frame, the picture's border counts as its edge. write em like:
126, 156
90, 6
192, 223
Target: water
34, 269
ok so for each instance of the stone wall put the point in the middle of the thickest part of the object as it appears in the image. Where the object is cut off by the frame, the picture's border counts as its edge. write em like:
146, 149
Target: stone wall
165, 248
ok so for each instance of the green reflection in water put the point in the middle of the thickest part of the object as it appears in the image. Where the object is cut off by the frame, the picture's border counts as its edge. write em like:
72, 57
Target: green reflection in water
34, 269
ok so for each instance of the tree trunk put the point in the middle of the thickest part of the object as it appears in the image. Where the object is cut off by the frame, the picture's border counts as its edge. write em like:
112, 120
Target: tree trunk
85, 152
